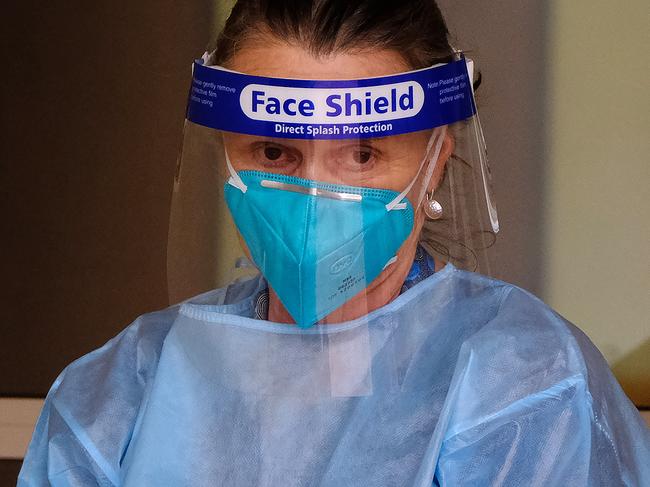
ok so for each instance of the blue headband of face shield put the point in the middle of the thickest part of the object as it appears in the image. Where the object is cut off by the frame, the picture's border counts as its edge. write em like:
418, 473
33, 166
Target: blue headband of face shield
319, 244
331, 109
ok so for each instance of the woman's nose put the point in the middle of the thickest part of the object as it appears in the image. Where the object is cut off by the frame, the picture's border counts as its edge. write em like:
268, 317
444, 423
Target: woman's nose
311, 168
317, 167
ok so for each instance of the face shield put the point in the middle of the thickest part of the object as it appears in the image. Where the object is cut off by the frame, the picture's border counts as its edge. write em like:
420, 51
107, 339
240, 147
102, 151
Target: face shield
328, 187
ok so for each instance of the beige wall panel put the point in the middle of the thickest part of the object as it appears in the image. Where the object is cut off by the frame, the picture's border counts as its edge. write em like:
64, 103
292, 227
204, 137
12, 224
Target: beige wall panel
597, 264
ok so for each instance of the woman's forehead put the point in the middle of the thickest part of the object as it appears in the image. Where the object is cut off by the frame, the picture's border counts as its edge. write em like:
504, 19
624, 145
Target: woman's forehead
279, 59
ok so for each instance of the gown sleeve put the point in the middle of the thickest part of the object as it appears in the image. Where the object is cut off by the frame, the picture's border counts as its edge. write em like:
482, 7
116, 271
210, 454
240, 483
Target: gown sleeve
92, 408
56, 456
533, 403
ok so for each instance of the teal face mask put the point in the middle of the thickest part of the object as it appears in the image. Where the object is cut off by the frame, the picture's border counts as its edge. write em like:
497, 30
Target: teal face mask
317, 244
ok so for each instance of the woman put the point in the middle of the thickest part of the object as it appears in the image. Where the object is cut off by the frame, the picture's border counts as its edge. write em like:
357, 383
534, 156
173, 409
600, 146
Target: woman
352, 164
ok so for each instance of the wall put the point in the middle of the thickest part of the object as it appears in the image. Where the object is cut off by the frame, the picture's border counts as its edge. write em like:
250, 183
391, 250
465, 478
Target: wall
596, 260
93, 99
508, 42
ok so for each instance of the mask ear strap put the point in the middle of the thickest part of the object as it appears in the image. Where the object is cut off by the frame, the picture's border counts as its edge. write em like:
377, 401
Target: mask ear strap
234, 179
432, 167
397, 203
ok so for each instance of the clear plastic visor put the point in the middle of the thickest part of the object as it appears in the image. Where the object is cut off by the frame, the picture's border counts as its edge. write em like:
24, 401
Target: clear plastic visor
337, 227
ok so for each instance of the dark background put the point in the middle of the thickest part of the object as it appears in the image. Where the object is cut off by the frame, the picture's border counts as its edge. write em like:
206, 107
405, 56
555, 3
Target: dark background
92, 112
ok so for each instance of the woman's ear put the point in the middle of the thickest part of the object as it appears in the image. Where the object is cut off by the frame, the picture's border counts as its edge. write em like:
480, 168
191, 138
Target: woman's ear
447, 149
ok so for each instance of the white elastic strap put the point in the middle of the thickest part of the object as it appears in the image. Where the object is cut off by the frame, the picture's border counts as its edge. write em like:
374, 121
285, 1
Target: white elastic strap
234, 179
432, 167
392, 260
396, 203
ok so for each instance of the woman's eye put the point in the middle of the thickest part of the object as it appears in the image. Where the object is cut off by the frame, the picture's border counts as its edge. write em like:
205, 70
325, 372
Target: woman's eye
362, 156
359, 158
276, 155
272, 153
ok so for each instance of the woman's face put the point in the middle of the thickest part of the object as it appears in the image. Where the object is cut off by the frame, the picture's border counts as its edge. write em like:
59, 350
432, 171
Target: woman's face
386, 163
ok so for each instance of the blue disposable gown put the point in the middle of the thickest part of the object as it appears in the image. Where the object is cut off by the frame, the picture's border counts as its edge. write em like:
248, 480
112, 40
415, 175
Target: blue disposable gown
461, 380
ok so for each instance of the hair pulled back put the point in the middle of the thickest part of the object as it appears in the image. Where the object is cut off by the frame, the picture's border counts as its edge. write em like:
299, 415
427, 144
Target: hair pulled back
414, 28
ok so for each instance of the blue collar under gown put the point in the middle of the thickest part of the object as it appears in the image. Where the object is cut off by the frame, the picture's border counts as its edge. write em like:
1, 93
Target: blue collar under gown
461, 380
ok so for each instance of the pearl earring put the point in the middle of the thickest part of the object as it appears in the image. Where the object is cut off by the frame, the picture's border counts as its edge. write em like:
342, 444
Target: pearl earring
432, 209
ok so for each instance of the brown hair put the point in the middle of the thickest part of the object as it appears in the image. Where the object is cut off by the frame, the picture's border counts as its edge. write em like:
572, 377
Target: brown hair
414, 28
